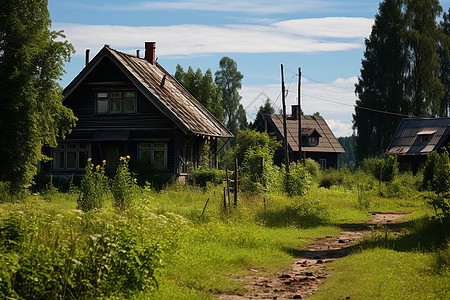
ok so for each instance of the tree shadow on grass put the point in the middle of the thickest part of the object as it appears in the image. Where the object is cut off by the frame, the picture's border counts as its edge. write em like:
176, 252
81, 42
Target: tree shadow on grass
297, 216
418, 235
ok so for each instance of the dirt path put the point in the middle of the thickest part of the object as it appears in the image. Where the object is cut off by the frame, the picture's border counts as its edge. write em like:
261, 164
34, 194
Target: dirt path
309, 271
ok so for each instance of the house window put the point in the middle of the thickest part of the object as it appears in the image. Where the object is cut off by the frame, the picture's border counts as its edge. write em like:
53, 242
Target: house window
426, 138
102, 102
323, 163
312, 140
70, 156
156, 153
116, 102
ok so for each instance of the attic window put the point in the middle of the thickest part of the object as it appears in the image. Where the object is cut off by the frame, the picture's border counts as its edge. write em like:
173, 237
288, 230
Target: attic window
425, 136
116, 102
425, 139
312, 141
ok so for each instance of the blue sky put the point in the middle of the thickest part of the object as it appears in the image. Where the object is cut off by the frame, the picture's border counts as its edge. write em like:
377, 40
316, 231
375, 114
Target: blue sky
323, 37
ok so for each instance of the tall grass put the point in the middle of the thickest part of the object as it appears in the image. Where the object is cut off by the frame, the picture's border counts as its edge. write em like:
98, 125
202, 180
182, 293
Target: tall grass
193, 248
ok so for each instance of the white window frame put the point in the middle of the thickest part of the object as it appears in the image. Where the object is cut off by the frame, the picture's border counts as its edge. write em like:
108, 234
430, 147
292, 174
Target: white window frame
62, 148
150, 147
100, 96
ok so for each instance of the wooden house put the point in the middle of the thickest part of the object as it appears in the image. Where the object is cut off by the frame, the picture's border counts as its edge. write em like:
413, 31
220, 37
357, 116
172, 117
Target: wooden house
317, 140
127, 105
415, 138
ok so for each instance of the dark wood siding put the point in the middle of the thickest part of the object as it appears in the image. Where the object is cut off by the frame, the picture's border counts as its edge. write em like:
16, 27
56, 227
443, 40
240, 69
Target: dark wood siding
108, 77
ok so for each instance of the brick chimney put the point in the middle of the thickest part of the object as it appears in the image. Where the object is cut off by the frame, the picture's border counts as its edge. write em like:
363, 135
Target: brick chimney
150, 51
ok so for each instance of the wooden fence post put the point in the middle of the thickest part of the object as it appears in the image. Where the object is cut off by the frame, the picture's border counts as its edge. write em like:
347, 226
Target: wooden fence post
204, 208
235, 181
224, 198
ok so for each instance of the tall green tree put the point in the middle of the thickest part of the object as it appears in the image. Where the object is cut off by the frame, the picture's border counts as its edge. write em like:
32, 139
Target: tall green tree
444, 55
203, 88
229, 80
425, 89
266, 109
381, 85
31, 110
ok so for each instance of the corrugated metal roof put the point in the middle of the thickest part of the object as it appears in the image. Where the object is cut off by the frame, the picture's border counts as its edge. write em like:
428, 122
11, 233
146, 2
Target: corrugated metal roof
419, 136
164, 91
327, 140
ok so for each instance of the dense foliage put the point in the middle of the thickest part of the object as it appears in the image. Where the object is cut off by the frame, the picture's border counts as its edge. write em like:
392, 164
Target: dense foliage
93, 187
71, 255
401, 72
436, 178
229, 80
31, 110
203, 88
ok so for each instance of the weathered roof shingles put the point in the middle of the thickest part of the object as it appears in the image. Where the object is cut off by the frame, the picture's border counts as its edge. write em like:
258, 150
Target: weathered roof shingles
170, 97
327, 140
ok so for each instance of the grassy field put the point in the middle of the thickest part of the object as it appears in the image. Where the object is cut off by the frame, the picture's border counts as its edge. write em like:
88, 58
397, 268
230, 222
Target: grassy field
199, 255
412, 265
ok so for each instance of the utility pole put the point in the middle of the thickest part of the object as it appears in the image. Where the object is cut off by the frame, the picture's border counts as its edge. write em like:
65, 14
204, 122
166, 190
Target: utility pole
300, 155
286, 146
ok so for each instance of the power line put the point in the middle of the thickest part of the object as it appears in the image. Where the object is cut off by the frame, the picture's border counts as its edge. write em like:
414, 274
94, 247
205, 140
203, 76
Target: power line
330, 84
335, 102
364, 108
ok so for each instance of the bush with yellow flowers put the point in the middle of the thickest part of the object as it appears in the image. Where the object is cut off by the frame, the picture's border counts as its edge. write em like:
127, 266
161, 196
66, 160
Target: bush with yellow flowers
93, 186
123, 184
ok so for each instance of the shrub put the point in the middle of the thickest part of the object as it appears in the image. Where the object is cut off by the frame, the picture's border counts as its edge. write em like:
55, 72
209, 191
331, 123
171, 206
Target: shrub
313, 168
436, 178
332, 177
253, 168
115, 263
118, 262
436, 173
5, 195
386, 168
123, 184
93, 186
202, 177
272, 179
297, 181
251, 139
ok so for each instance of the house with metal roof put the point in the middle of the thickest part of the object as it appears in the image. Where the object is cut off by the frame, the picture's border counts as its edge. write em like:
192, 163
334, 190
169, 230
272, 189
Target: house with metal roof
317, 140
415, 138
128, 105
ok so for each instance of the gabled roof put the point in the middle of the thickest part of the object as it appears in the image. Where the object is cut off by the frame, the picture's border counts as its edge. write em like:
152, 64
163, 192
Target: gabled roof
161, 89
310, 124
419, 136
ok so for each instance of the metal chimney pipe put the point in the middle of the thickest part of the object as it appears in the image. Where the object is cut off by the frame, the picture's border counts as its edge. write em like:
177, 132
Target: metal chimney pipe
137, 53
87, 56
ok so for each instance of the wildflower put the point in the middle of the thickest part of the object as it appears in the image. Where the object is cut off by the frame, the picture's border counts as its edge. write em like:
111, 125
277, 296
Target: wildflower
97, 167
89, 159
128, 156
104, 161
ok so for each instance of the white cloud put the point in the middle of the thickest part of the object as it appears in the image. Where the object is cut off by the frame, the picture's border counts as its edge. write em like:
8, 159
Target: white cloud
339, 128
339, 27
191, 39
248, 6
